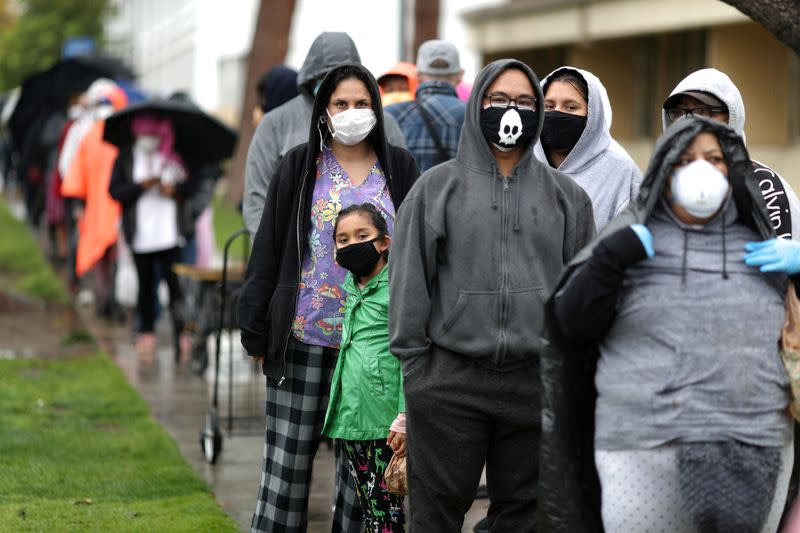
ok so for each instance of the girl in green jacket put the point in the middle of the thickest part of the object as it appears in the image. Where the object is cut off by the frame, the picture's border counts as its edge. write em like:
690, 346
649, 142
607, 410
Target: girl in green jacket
366, 400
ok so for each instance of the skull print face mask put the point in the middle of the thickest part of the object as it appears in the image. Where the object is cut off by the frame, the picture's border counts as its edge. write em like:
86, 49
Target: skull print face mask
507, 128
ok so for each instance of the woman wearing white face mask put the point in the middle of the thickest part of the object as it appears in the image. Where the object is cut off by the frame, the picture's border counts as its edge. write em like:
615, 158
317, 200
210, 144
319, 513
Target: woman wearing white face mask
691, 427
149, 181
291, 307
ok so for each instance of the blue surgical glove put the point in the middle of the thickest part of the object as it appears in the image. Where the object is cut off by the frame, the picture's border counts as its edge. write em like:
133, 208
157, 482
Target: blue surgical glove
774, 255
645, 237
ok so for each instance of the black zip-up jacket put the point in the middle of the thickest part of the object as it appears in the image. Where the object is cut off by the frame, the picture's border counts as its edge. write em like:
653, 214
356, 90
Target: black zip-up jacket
268, 299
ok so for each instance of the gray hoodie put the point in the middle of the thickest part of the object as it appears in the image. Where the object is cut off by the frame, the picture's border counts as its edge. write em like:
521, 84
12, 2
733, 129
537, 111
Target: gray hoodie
476, 255
597, 163
287, 126
693, 351
777, 193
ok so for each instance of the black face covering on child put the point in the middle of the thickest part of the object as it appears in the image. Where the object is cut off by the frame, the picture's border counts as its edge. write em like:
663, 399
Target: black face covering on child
561, 131
359, 258
508, 127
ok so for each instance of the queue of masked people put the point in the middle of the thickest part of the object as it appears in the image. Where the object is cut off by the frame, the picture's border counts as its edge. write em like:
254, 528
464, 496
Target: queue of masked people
613, 349
131, 203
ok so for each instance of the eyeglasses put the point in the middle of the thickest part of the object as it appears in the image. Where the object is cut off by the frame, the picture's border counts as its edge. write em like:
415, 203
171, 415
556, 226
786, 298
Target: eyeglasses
677, 113
503, 100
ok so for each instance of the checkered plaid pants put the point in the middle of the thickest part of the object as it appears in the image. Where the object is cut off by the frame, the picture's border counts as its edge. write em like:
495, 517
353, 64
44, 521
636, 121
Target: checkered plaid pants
295, 414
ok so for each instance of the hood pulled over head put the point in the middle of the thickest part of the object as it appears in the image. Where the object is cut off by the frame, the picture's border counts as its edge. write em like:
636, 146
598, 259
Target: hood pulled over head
329, 49
473, 148
718, 84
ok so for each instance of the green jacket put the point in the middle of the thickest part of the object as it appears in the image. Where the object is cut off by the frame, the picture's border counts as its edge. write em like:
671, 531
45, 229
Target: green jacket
367, 386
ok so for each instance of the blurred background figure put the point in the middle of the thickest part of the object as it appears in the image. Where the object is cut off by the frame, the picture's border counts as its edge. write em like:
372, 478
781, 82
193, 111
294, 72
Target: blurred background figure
148, 180
96, 213
164, 178
398, 84
276, 87
432, 123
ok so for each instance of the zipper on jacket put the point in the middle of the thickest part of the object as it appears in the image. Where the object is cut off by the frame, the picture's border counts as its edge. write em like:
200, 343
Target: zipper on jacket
501, 347
299, 273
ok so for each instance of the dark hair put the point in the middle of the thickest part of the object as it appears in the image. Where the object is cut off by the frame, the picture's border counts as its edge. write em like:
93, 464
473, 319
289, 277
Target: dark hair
369, 211
332, 81
572, 77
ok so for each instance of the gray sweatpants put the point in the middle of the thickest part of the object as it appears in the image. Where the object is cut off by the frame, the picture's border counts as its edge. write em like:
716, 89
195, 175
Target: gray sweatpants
459, 417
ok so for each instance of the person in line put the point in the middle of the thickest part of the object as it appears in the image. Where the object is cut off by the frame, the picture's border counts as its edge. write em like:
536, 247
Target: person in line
96, 212
277, 86
691, 429
398, 84
712, 94
432, 122
480, 241
576, 140
149, 181
290, 310
366, 400
286, 126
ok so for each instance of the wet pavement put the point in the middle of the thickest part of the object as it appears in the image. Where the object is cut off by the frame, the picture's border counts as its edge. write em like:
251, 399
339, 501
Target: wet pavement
179, 400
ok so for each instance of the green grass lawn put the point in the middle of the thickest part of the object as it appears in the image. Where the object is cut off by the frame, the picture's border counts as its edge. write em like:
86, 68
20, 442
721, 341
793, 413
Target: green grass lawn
227, 219
22, 260
80, 452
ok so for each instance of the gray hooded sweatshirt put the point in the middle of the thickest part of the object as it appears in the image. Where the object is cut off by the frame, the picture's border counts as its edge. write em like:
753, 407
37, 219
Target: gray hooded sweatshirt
476, 254
287, 126
777, 193
692, 355
597, 163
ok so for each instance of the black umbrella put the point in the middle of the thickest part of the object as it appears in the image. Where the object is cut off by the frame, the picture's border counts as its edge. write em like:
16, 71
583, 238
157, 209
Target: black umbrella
199, 137
49, 91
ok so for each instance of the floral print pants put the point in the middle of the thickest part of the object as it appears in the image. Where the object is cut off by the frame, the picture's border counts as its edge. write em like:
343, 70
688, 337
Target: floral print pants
367, 459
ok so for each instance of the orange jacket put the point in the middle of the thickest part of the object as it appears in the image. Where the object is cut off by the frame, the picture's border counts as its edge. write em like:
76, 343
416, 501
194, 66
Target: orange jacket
87, 179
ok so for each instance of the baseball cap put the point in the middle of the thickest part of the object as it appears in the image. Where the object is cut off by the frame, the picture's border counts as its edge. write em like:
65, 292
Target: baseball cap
438, 57
704, 97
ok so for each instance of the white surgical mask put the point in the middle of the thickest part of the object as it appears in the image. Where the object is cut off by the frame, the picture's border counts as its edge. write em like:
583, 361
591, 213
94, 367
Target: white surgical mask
700, 188
147, 144
352, 126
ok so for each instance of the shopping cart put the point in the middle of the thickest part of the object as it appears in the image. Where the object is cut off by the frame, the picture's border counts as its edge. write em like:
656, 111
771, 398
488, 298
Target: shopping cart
244, 408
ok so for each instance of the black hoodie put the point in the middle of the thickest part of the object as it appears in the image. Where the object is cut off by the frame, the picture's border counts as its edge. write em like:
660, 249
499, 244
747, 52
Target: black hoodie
267, 304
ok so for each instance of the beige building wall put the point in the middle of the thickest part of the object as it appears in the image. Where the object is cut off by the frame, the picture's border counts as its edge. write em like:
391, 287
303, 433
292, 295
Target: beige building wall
613, 63
759, 65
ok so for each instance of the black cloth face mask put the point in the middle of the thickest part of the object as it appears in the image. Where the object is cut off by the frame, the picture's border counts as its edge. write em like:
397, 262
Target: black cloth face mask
507, 128
359, 258
562, 131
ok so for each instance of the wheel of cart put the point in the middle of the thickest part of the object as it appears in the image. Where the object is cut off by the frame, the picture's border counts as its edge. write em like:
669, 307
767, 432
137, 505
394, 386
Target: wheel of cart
211, 437
228, 289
